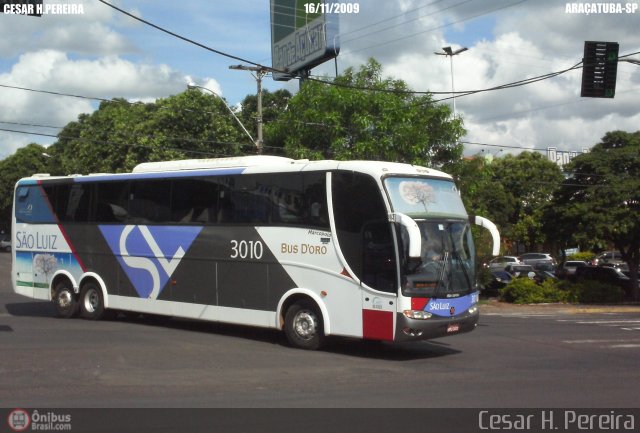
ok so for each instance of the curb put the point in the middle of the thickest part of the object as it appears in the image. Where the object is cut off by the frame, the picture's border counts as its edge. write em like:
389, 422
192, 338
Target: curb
494, 306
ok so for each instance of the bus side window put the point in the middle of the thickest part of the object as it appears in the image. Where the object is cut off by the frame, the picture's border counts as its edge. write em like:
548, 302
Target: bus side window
194, 200
112, 202
226, 208
315, 199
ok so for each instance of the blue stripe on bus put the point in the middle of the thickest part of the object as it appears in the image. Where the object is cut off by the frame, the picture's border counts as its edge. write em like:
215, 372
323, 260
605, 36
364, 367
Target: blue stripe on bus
452, 306
160, 175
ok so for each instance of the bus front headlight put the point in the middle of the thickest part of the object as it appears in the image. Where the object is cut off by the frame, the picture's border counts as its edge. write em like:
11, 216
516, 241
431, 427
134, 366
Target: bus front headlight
417, 314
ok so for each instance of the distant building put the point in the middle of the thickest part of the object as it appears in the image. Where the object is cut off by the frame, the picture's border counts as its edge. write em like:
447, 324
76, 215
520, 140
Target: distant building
562, 157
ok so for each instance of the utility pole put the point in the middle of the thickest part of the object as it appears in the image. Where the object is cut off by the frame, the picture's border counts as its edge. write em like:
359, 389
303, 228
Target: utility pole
260, 72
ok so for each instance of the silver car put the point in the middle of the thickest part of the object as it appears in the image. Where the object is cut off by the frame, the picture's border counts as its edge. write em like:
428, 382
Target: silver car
501, 262
542, 261
568, 268
608, 257
5, 244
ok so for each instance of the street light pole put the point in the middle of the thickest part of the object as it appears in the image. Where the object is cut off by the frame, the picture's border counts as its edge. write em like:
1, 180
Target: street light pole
447, 51
195, 86
260, 71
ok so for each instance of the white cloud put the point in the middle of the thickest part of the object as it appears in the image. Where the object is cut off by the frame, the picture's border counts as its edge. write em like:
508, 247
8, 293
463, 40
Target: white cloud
529, 39
54, 71
87, 33
106, 54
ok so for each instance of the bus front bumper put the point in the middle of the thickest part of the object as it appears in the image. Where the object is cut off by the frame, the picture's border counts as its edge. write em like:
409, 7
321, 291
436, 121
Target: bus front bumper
436, 326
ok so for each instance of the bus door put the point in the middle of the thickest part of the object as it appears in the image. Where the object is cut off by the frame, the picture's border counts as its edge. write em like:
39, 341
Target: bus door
360, 221
379, 281
23, 268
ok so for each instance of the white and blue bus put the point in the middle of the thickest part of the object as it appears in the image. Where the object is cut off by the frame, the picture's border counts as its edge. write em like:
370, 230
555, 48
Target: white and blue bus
364, 249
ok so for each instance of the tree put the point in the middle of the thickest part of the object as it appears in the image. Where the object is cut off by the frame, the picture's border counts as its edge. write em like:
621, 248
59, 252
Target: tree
273, 104
529, 180
511, 191
119, 135
343, 120
599, 203
44, 264
23, 163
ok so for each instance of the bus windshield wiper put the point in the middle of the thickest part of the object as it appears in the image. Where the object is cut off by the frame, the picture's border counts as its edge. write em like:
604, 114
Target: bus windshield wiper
456, 256
442, 271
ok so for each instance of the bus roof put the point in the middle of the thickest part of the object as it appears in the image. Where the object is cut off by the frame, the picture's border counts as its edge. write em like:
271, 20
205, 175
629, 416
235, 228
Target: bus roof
249, 165
264, 163
210, 163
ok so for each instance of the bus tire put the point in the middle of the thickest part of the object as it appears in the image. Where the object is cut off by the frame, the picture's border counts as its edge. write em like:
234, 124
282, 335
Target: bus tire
303, 325
91, 302
65, 300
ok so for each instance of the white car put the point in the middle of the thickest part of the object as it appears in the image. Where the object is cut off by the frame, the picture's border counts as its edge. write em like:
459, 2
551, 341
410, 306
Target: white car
5, 244
501, 262
542, 261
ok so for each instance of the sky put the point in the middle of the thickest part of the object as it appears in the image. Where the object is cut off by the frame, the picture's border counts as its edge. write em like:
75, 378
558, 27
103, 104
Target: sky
105, 54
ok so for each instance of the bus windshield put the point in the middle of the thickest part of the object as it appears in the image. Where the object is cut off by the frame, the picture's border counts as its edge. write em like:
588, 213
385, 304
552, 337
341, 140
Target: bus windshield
425, 197
447, 262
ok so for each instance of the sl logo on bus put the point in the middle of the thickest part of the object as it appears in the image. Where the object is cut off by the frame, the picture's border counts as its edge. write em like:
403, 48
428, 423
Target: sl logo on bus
149, 255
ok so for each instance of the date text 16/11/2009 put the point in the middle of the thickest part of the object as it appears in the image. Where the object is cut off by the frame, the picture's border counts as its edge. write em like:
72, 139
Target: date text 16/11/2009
332, 8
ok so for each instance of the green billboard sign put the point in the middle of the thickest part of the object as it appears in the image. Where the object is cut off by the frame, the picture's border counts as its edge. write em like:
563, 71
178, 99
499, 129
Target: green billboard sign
301, 37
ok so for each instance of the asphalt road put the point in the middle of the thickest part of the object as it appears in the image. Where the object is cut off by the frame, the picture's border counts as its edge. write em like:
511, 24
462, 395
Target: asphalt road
518, 357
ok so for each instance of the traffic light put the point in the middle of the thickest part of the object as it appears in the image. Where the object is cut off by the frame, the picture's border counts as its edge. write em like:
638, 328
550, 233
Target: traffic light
599, 69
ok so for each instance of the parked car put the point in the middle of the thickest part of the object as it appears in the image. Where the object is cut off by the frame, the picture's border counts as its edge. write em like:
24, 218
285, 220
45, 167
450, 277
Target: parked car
605, 274
499, 263
519, 270
608, 257
499, 279
568, 268
541, 261
622, 267
5, 244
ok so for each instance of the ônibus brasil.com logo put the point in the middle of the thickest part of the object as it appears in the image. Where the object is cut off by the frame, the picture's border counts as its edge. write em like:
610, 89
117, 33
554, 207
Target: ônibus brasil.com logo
19, 420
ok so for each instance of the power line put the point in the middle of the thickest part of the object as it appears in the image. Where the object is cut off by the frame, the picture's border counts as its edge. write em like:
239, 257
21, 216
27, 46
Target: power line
349, 86
503, 146
436, 28
391, 18
49, 92
458, 93
30, 124
191, 41
118, 101
400, 24
461, 93
93, 140
168, 138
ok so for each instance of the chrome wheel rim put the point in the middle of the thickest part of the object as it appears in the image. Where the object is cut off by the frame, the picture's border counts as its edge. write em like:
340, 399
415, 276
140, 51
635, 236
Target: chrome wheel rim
64, 299
91, 300
305, 325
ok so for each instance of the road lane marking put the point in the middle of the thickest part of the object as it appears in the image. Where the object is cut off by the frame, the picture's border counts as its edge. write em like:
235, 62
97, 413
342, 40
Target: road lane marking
600, 322
618, 340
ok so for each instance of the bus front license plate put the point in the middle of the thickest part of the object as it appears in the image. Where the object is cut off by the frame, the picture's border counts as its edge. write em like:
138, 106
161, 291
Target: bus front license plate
454, 327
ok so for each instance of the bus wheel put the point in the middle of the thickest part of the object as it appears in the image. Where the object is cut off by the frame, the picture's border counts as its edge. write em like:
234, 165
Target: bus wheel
91, 302
65, 300
303, 326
